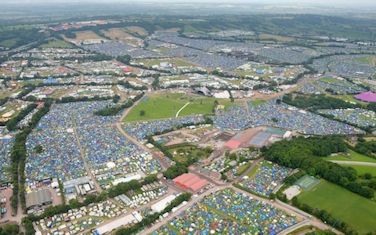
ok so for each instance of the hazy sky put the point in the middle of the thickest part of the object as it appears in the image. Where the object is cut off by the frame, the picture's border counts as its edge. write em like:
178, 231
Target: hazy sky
326, 2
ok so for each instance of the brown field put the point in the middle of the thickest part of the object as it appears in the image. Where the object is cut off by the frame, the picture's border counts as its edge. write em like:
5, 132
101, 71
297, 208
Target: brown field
138, 30
82, 36
266, 36
87, 35
119, 34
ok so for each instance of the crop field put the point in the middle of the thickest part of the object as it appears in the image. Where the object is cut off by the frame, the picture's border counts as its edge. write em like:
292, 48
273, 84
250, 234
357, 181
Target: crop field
161, 106
138, 30
120, 34
353, 209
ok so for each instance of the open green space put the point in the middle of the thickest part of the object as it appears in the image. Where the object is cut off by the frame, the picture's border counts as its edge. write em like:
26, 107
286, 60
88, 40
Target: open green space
186, 153
329, 80
56, 44
160, 106
351, 156
357, 211
8, 43
257, 102
361, 170
371, 60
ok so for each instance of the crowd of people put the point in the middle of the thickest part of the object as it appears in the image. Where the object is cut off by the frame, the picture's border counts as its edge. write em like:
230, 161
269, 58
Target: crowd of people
71, 134
332, 85
141, 130
358, 117
267, 178
282, 116
229, 212
5, 148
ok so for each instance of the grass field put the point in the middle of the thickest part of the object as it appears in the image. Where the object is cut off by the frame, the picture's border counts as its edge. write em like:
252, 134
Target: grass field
159, 106
352, 156
371, 60
8, 43
361, 170
257, 102
56, 44
357, 211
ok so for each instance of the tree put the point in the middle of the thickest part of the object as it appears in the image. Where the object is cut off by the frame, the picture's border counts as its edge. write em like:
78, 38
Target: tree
142, 113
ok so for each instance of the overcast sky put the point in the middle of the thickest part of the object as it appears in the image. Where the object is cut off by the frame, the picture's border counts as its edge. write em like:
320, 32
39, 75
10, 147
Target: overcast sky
327, 2
369, 5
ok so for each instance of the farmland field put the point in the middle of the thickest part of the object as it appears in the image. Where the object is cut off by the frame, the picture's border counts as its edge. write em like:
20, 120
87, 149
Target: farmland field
353, 209
120, 34
161, 106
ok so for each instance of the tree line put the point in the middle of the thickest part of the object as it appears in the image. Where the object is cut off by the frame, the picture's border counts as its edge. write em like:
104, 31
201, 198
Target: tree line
113, 110
12, 123
305, 153
18, 158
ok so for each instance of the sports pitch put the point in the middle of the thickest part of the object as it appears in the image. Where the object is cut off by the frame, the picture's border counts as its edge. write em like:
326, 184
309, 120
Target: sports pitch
357, 211
307, 182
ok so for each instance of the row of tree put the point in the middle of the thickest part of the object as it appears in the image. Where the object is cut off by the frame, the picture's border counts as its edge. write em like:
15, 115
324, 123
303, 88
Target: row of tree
69, 99
115, 109
18, 158
150, 219
324, 216
12, 123
315, 102
306, 153
366, 147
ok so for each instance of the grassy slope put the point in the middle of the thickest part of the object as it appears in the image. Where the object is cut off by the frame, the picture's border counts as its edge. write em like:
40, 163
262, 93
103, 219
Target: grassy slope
167, 105
357, 211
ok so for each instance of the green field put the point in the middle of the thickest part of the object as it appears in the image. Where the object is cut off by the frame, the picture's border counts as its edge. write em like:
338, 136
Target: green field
257, 102
8, 43
361, 170
161, 106
352, 156
357, 211
56, 44
371, 60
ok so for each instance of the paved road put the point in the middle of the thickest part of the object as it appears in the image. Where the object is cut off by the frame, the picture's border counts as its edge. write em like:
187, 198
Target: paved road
355, 163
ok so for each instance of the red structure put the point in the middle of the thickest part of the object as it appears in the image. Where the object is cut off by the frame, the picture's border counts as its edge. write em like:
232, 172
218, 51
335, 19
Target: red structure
190, 181
233, 144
